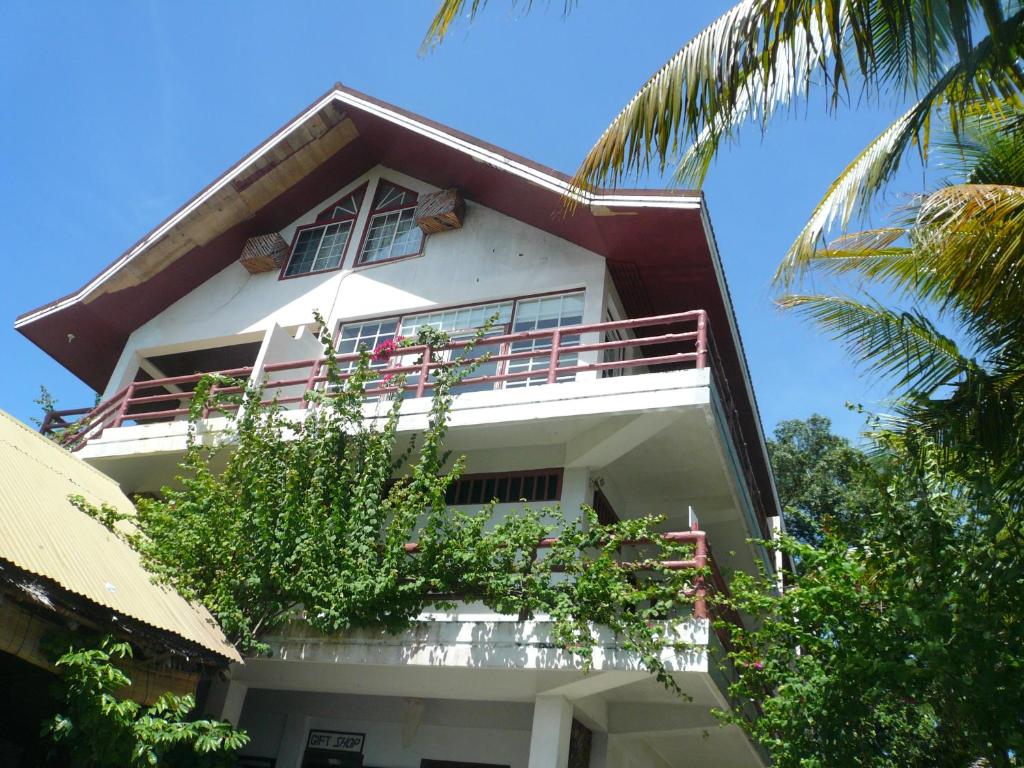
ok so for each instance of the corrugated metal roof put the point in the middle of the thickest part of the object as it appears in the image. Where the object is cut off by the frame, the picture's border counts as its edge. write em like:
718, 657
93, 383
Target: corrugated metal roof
43, 533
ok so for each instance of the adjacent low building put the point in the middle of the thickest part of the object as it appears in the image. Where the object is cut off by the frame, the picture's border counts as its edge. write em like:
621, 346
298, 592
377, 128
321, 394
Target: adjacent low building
63, 573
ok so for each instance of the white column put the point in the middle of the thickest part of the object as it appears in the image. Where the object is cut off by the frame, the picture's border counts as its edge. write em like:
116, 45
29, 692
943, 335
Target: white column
549, 739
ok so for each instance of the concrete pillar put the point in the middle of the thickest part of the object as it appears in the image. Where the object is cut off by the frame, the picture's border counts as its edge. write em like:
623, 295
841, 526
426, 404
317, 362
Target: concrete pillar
549, 738
226, 699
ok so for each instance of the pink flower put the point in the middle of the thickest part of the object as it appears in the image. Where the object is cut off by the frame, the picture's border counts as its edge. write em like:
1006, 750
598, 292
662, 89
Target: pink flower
386, 348
758, 665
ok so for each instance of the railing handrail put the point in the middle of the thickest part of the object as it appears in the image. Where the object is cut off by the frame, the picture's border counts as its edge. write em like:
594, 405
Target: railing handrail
699, 562
116, 409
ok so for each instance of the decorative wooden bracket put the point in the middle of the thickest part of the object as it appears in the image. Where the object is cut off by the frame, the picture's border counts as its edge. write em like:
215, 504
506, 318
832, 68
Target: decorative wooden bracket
440, 211
264, 253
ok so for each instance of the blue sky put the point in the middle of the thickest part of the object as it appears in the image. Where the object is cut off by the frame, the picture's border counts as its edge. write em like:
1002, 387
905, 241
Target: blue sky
116, 113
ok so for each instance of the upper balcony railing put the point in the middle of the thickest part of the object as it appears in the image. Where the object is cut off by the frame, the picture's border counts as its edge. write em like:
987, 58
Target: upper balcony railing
546, 356
513, 360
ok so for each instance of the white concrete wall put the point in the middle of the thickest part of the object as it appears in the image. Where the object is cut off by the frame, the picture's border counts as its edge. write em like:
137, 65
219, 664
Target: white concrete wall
279, 346
399, 732
492, 257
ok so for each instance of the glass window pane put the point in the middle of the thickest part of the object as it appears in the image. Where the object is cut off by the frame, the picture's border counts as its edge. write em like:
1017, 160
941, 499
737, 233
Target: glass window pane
369, 334
539, 314
332, 246
304, 253
453, 320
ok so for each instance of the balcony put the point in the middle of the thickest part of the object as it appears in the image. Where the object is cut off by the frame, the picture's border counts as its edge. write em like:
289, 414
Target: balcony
473, 661
549, 356
599, 393
468, 645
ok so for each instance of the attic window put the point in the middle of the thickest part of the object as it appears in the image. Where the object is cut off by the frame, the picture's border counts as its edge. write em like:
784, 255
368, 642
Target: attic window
321, 246
392, 232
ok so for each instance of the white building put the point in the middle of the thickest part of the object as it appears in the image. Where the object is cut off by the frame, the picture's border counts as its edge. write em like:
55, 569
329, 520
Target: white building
641, 425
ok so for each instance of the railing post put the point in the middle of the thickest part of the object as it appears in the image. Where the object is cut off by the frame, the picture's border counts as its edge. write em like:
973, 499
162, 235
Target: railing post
700, 557
556, 341
314, 371
209, 398
702, 339
424, 372
122, 409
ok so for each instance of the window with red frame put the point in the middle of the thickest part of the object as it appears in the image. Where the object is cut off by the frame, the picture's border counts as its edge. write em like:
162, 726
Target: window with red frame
321, 246
392, 232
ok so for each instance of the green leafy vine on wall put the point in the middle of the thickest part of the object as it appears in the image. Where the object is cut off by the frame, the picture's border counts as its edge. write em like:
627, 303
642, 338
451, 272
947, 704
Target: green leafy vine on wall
312, 516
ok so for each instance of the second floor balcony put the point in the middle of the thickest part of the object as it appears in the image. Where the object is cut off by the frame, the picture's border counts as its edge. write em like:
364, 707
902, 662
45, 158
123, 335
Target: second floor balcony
503, 363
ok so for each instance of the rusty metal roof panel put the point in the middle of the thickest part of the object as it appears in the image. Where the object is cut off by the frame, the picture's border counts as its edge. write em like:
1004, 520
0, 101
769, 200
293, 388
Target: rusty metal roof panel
43, 533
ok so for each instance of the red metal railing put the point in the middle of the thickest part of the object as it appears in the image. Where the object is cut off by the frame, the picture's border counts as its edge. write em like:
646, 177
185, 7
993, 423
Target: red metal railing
545, 356
701, 588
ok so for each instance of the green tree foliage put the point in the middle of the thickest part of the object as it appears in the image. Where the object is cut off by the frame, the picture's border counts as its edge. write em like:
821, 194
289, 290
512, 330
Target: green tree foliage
902, 646
824, 483
103, 729
901, 642
311, 518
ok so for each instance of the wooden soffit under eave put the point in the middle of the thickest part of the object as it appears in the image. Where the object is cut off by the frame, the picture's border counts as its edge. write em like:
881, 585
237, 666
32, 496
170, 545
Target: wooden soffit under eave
253, 186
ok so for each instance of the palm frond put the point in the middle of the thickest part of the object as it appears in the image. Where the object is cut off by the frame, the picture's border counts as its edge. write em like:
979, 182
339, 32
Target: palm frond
761, 93
450, 11
727, 74
983, 74
905, 346
987, 150
973, 238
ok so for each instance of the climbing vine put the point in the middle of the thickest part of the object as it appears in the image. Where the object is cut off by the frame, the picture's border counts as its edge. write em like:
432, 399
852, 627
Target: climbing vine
312, 517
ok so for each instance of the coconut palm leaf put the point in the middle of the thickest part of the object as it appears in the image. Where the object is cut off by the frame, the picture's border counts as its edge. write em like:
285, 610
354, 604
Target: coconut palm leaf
450, 11
982, 72
761, 54
964, 252
973, 236
873, 257
762, 93
903, 346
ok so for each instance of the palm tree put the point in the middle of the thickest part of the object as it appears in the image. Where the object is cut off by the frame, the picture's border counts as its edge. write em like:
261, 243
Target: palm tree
763, 56
955, 259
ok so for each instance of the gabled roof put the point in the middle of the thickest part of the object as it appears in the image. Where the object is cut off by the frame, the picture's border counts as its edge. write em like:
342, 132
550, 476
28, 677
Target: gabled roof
338, 137
43, 535
658, 243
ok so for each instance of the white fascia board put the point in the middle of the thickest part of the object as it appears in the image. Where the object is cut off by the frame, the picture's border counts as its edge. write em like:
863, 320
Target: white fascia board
477, 152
